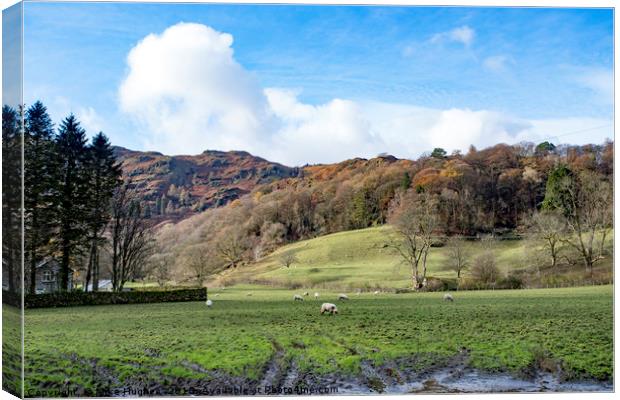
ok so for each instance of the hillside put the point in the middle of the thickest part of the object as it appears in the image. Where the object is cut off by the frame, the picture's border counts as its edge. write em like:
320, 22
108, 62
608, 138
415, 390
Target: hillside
178, 186
360, 259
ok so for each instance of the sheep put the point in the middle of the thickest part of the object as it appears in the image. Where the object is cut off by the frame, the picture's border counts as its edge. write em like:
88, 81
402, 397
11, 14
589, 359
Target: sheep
343, 296
298, 298
209, 303
316, 295
306, 294
249, 294
376, 292
329, 308
217, 295
448, 297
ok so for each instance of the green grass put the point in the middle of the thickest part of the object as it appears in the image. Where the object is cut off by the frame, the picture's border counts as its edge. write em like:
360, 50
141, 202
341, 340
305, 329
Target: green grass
504, 330
11, 349
360, 259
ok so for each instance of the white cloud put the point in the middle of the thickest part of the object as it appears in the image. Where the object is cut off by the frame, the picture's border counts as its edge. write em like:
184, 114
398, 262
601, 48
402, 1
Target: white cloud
90, 120
463, 34
188, 94
497, 63
599, 80
186, 89
325, 133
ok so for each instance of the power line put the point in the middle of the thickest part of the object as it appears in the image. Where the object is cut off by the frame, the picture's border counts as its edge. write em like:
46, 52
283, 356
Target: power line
577, 131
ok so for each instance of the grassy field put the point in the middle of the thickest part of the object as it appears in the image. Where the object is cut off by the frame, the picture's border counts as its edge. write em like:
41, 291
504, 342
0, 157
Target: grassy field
361, 259
242, 338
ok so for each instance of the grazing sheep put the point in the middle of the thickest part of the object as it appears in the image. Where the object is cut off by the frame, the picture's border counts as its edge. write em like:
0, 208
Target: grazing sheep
343, 296
217, 295
306, 294
358, 293
376, 292
329, 308
448, 297
316, 295
209, 303
298, 298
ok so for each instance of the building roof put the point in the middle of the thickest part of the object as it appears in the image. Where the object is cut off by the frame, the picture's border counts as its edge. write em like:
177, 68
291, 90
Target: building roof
48, 261
103, 284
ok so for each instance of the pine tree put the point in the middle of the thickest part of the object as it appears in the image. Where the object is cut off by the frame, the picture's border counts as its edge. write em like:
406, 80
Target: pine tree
71, 195
39, 178
11, 194
104, 176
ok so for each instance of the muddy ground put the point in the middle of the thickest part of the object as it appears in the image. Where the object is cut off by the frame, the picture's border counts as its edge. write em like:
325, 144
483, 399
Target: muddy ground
282, 377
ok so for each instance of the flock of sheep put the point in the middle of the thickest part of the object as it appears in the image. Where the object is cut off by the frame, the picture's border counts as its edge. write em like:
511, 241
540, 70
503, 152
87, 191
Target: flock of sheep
331, 308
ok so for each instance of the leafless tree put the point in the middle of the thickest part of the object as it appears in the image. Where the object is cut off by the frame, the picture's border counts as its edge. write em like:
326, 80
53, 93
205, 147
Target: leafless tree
484, 269
588, 208
199, 261
550, 228
231, 246
161, 267
458, 253
287, 259
414, 219
131, 237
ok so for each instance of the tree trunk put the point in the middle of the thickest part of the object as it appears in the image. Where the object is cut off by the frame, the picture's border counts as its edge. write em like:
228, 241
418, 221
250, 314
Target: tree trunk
89, 268
96, 270
64, 264
33, 273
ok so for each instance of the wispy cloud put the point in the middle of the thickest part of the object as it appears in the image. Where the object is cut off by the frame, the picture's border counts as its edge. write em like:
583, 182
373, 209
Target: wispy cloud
598, 80
464, 35
498, 63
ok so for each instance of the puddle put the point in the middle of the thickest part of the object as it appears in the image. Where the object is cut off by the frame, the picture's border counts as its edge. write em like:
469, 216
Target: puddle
472, 381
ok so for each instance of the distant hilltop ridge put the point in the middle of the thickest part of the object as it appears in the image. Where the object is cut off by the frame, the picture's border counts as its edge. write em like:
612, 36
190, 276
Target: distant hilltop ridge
175, 187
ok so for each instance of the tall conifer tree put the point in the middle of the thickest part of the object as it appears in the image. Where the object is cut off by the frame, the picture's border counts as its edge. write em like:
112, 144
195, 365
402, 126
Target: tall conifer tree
72, 194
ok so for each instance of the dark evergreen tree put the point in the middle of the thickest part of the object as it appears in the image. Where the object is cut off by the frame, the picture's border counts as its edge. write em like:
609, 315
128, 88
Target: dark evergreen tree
438, 152
11, 195
39, 181
72, 194
104, 176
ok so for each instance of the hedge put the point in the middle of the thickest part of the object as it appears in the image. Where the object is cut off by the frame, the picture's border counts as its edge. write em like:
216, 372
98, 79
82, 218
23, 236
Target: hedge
78, 298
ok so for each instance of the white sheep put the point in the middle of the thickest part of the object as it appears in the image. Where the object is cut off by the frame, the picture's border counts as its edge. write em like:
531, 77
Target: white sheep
316, 295
448, 297
343, 296
217, 295
209, 303
329, 308
376, 292
298, 298
306, 294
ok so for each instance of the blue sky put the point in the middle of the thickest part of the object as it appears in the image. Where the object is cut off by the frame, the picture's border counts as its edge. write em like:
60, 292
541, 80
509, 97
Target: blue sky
372, 79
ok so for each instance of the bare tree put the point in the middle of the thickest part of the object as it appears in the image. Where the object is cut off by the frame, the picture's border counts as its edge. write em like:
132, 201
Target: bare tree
586, 202
231, 246
485, 268
414, 218
198, 260
550, 228
458, 253
161, 267
287, 258
131, 237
